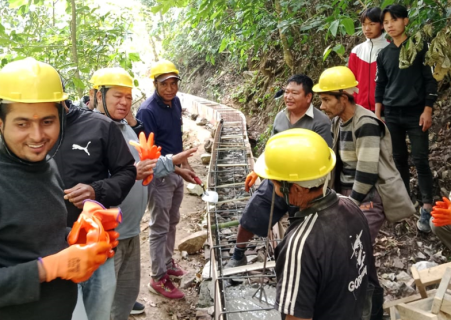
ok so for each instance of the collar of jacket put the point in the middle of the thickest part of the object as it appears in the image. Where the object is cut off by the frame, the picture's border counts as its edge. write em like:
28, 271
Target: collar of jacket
317, 205
160, 101
381, 38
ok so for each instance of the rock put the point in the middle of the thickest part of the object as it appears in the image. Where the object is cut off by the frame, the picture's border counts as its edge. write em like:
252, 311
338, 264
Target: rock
184, 255
211, 311
205, 157
202, 314
206, 274
208, 145
421, 255
205, 300
252, 259
201, 121
397, 263
193, 243
403, 277
392, 287
193, 116
188, 280
195, 189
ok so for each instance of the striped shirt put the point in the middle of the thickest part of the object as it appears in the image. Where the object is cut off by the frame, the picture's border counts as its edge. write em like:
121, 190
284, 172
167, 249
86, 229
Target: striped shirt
359, 149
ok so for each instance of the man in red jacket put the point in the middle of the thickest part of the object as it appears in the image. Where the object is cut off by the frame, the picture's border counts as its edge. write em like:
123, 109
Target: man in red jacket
362, 60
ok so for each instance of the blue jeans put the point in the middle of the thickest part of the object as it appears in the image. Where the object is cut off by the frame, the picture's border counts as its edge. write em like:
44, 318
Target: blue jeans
402, 121
98, 292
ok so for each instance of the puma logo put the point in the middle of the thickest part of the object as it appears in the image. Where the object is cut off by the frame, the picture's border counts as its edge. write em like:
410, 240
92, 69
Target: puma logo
77, 147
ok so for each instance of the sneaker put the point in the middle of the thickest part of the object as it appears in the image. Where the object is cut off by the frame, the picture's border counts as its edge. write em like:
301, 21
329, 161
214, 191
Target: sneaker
423, 222
236, 263
174, 271
165, 287
138, 308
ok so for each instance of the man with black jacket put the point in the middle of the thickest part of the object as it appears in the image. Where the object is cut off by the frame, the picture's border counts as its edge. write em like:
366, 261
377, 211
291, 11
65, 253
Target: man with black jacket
95, 163
407, 96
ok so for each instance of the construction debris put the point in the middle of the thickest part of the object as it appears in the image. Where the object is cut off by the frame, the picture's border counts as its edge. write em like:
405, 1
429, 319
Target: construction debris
193, 243
195, 189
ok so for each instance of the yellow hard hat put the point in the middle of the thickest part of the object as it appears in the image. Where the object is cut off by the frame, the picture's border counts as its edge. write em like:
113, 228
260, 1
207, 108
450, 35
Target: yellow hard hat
335, 79
30, 81
296, 155
162, 67
110, 77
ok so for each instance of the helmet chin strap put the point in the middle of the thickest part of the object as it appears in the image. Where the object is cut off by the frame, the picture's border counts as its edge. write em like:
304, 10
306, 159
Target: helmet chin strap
103, 91
285, 189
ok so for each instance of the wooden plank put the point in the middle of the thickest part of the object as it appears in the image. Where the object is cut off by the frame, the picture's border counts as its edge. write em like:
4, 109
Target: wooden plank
423, 304
389, 304
440, 294
233, 200
446, 304
394, 315
418, 282
249, 267
407, 312
433, 275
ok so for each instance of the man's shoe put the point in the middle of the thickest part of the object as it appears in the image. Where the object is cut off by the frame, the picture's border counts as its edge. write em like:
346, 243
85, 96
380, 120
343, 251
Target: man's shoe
165, 287
423, 222
236, 263
174, 271
138, 308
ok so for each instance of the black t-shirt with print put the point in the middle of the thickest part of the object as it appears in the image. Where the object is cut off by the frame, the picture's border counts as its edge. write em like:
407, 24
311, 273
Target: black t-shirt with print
325, 261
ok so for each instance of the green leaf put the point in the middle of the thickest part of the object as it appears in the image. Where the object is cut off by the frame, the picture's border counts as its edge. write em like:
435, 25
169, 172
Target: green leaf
339, 49
224, 44
387, 3
327, 52
136, 83
348, 23
334, 27
133, 56
17, 3
78, 83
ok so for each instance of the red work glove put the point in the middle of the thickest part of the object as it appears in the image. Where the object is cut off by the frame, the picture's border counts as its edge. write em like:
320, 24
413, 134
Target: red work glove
442, 213
96, 224
76, 263
250, 180
146, 150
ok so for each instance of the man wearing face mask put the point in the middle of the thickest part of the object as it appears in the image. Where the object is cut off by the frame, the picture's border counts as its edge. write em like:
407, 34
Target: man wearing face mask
325, 261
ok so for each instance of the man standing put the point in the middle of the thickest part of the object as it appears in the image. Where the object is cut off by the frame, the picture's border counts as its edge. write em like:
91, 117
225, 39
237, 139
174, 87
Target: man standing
325, 261
95, 163
407, 96
115, 100
162, 115
299, 113
362, 60
362, 142
33, 217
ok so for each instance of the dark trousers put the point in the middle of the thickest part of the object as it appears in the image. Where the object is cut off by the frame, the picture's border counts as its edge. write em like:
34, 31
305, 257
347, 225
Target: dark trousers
402, 121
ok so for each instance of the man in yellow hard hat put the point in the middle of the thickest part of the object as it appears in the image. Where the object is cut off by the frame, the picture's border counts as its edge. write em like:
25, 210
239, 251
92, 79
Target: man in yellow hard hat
114, 98
325, 261
368, 174
95, 163
162, 115
37, 268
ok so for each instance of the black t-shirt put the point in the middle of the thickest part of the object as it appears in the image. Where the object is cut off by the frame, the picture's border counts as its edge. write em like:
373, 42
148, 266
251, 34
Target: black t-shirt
324, 262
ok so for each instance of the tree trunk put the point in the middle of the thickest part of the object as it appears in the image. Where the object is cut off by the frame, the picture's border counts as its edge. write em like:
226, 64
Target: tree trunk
287, 54
154, 48
73, 36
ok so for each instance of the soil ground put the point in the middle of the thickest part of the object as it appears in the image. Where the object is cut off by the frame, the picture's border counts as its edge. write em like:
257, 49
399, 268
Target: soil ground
191, 214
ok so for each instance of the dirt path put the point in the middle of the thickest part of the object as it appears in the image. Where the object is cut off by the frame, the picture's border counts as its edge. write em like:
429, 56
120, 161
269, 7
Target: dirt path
191, 212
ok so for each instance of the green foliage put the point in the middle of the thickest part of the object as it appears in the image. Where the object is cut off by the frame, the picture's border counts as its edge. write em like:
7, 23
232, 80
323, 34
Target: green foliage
41, 29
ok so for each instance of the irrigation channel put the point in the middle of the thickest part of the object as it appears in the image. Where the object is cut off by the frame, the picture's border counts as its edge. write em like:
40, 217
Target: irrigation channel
245, 292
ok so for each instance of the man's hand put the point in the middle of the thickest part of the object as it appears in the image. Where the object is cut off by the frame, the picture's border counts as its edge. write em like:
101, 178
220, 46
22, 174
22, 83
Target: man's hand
131, 120
250, 180
183, 156
79, 193
426, 119
378, 111
187, 174
145, 168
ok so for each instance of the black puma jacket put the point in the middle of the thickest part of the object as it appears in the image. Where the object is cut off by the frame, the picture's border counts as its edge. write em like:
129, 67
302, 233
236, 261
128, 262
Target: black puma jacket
94, 152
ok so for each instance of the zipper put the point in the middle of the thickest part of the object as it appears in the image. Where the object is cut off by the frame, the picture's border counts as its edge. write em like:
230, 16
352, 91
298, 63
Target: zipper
369, 74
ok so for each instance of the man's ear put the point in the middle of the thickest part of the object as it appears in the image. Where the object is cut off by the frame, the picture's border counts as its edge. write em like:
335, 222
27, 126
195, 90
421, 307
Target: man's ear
406, 21
310, 97
99, 97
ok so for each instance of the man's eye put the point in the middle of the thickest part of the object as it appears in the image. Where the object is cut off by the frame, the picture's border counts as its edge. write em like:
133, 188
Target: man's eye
48, 122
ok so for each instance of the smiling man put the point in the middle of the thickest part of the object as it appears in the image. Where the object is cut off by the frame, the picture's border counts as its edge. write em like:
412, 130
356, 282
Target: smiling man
36, 263
299, 113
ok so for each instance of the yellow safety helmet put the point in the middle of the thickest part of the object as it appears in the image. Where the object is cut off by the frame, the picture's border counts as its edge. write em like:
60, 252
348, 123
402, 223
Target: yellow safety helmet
296, 155
110, 77
30, 81
336, 79
162, 67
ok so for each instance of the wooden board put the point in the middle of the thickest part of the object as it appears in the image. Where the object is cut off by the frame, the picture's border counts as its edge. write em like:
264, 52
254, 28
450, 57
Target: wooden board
389, 304
446, 304
440, 294
249, 267
433, 275
407, 312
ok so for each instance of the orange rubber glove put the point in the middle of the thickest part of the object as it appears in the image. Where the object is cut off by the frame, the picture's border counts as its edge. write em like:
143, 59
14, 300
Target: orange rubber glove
76, 263
250, 180
146, 150
96, 224
442, 213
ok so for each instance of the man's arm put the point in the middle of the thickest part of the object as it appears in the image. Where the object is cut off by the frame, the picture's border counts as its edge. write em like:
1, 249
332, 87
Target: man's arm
368, 140
431, 93
148, 120
381, 83
19, 284
120, 163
